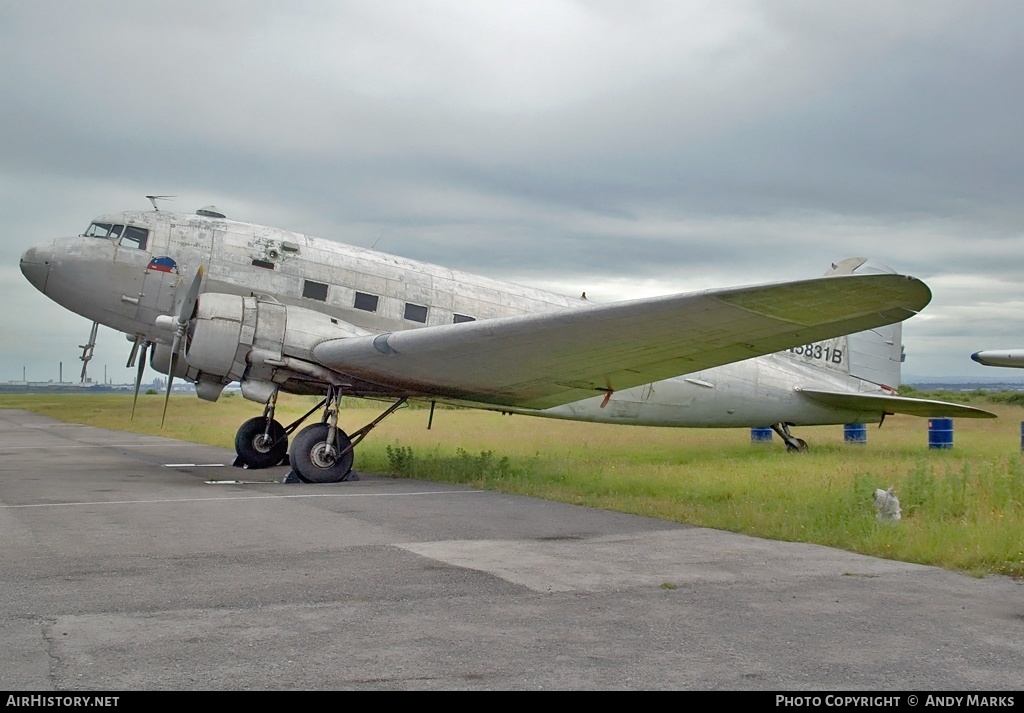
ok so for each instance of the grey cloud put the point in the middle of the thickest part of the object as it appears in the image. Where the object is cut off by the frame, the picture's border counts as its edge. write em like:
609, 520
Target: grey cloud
563, 143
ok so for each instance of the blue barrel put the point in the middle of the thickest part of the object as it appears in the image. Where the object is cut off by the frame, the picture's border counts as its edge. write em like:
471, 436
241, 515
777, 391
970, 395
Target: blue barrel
764, 435
940, 433
855, 433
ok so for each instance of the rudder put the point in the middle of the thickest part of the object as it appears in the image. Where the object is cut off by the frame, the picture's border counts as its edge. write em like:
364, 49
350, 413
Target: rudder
875, 355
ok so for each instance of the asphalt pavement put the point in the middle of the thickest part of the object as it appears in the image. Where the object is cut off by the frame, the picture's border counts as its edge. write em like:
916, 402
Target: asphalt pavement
127, 568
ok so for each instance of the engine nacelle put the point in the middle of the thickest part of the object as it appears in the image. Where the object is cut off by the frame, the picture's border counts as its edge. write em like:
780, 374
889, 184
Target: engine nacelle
160, 360
246, 338
214, 338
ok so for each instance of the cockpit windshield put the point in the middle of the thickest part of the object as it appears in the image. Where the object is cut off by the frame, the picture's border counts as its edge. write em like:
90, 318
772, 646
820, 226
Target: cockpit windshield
125, 235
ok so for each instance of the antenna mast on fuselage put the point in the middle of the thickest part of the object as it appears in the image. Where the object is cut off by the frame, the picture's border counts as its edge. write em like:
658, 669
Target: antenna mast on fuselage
154, 199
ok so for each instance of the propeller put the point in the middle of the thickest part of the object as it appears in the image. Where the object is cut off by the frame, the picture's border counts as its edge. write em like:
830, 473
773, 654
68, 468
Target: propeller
134, 352
138, 351
188, 306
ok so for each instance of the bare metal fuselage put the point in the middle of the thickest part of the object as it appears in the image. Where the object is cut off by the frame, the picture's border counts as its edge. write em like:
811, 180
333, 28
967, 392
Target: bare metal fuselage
126, 287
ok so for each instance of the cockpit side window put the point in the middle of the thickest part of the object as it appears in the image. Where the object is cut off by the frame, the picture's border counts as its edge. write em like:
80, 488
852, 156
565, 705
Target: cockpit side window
134, 237
98, 230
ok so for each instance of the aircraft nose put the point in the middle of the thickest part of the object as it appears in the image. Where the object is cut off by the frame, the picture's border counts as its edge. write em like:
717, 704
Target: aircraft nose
35, 265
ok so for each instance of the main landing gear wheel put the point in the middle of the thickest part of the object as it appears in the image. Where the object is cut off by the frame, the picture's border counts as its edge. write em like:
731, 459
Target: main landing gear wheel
257, 447
313, 462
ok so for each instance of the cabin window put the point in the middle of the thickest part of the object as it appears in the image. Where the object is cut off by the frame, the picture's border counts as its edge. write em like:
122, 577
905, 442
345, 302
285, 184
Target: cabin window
264, 264
314, 290
133, 237
415, 313
365, 302
457, 318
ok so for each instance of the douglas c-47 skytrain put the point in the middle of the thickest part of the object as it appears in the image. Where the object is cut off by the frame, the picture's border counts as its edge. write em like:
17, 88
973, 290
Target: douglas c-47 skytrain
215, 301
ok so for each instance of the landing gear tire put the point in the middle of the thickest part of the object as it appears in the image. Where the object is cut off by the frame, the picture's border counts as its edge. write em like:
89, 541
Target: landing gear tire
797, 445
313, 462
256, 449
793, 444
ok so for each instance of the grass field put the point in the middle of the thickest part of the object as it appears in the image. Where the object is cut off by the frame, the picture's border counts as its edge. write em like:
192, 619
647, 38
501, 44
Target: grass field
963, 508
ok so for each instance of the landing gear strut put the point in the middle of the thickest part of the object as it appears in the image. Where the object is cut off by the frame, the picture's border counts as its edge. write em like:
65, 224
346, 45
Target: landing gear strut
320, 453
793, 444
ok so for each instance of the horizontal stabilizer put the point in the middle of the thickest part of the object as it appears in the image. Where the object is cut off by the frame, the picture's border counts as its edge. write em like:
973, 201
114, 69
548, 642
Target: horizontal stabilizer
880, 403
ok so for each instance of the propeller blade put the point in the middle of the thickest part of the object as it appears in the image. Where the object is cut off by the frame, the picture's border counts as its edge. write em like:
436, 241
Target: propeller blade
134, 352
188, 306
140, 347
175, 346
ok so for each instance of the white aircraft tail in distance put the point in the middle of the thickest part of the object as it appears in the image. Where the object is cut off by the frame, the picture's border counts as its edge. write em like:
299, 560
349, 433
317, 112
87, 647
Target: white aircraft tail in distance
216, 301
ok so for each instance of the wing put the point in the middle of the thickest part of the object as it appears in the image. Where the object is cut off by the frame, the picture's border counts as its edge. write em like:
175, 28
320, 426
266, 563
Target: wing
895, 404
543, 360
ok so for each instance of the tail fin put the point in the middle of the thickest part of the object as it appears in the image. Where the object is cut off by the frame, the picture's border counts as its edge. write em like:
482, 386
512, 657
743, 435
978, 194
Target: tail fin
875, 355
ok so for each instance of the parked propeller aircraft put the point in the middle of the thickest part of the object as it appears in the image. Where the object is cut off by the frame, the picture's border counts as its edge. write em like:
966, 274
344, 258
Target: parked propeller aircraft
215, 301
1000, 357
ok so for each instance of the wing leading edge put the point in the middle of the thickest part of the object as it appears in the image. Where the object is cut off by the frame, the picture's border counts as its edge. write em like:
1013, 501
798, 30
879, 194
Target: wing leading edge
546, 359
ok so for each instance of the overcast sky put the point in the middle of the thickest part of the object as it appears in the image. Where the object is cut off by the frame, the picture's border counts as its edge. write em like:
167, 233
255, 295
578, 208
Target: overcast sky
622, 148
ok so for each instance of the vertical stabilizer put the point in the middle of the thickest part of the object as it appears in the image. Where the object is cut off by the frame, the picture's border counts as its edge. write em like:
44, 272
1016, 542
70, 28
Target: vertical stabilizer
875, 355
